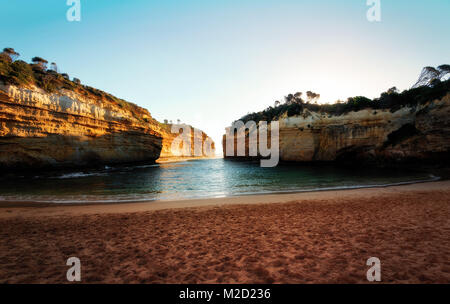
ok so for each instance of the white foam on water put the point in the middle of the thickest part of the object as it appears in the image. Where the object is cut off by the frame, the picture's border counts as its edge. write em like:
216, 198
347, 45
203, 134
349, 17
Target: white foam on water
79, 175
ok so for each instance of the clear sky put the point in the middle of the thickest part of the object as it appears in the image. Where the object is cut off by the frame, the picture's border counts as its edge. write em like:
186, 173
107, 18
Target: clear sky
211, 62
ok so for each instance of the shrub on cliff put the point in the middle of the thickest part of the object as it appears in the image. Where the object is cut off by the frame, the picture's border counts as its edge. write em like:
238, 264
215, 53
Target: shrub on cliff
5, 62
359, 102
294, 109
21, 72
17, 72
435, 88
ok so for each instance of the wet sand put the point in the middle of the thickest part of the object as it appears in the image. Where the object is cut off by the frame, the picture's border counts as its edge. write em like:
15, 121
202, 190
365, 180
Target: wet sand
317, 237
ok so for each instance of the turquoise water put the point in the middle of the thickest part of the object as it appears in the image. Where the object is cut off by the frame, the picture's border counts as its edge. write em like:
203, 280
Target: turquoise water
194, 179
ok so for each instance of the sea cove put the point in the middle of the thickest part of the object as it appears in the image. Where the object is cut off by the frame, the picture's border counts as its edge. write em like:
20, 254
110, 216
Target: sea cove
206, 178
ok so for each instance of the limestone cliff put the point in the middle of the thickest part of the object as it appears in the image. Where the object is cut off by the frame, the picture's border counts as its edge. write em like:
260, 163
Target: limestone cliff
72, 128
175, 150
67, 128
415, 132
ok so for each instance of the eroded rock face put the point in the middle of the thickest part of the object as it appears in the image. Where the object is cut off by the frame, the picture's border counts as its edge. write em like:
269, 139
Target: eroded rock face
39, 129
411, 133
173, 145
71, 129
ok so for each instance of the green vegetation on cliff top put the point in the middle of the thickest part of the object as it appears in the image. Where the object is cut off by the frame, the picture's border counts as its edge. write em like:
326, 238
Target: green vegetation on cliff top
430, 86
19, 73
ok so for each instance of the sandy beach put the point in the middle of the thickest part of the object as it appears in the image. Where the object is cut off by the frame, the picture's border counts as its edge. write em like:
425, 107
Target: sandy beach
315, 237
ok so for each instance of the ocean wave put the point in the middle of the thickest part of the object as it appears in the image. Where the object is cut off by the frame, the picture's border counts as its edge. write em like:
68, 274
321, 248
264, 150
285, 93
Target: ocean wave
80, 175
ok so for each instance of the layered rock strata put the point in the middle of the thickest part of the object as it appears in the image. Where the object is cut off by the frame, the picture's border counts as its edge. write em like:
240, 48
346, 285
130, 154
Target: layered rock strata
419, 132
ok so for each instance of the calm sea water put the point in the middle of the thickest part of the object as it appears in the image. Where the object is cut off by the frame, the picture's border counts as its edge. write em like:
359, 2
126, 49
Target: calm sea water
193, 179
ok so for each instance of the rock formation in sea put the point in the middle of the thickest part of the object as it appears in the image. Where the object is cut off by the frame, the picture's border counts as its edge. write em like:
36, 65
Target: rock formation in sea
200, 145
47, 120
410, 126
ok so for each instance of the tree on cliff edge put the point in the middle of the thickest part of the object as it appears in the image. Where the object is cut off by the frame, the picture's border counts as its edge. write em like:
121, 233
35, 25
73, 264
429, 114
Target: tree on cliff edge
41, 62
11, 53
53, 67
430, 75
445, 71
312, 97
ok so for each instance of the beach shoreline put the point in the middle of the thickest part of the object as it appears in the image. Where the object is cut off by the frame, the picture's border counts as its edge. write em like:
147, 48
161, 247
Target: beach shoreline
264, 198
314, 237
